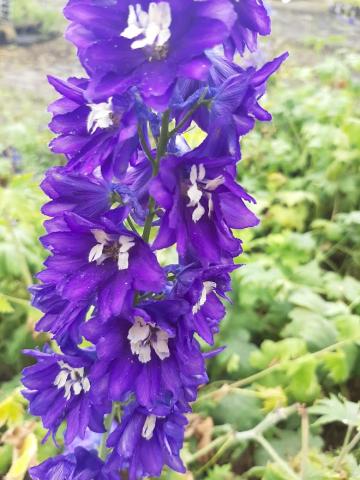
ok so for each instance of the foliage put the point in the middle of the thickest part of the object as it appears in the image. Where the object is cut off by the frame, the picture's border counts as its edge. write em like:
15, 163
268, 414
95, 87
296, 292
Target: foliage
293, 329
32, 14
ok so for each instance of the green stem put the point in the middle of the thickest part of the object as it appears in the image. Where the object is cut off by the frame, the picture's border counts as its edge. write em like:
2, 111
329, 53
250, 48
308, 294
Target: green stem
347, 447
227, 443
161, 150
255, 434
276, 457
145, 146
131, 224
304, 440
263, 373
103, 451
183, 122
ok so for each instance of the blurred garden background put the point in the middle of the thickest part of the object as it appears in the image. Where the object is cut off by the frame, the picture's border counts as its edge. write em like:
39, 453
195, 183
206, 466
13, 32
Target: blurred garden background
283, 402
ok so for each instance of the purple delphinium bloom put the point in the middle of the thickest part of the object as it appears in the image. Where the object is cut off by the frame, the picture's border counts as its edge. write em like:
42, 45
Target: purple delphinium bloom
147, 44
252, 20
202, 203
61, 317
231, 103
149, 352
234, 108
58, 389
88, 196
101, 262
146, 441
204, 289
92, 134
131, 185
80, 465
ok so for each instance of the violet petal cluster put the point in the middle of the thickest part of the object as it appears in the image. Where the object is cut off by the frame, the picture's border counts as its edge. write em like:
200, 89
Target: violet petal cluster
126, 323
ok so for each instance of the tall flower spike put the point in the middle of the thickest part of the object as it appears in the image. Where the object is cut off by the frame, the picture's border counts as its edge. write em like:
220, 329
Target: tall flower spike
126, 326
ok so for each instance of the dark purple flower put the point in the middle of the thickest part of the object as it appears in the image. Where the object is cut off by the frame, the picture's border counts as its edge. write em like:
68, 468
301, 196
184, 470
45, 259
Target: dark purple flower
146, 441
252, 20
148, 352
202, 203
92, 134
87, 196
58, 389
79, 465
234, 107
230, 103
100, 262
61, 317
204, 289
147, 44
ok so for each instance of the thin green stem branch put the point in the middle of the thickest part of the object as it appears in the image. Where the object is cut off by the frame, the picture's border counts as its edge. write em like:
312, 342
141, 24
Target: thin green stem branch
347, 449
145, 146
273, 368
161, 150
255, 434
305, 429
187, 117
277, 458
103, 450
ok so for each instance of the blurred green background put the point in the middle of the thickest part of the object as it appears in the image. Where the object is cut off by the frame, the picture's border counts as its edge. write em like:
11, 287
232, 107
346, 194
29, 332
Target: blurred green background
283, 402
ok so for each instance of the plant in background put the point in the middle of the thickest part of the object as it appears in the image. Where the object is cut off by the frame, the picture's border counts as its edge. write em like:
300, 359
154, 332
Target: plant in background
125, 361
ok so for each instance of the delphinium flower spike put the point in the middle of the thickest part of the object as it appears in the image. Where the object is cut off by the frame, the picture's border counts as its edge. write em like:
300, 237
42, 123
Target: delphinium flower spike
125, 327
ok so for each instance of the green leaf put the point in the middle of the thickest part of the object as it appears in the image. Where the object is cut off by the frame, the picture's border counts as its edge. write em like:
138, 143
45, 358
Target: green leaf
316, 330
5, 306
337, 365
335, 409
275, 352
303, 382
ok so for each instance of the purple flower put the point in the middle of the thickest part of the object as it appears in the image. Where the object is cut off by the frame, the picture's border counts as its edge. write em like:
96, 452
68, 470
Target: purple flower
252, 20
148, 352
61, 317
146, 441
204, 289
230, 103
100, 262
202, 203
131, 186
58, 389
87, 196
234, 107
80, 465
147, 44
92, 134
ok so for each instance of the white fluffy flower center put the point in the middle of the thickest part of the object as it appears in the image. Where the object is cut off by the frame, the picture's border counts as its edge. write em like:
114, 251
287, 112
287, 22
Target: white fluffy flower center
72, 380
208, 287
108, 248
149, 427
199, 187
153, 26
101, 116
145, 337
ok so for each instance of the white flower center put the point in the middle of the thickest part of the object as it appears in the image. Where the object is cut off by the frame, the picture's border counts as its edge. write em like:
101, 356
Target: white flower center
149, 427
71, 380
144, 337
101, 116
152, 26
200, 187
208, 287
108, 248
